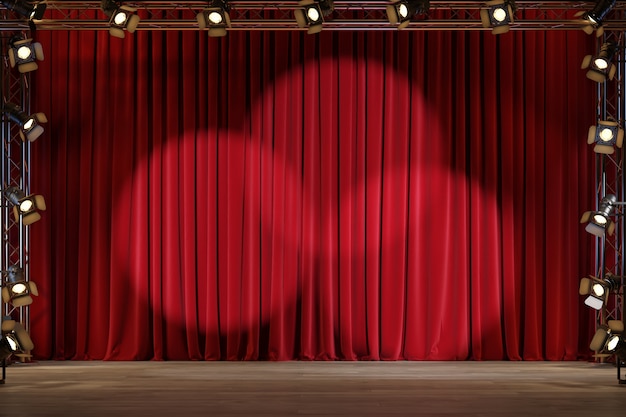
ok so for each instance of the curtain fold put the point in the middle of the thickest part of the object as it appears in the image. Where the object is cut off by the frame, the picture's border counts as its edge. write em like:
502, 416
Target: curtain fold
344, 196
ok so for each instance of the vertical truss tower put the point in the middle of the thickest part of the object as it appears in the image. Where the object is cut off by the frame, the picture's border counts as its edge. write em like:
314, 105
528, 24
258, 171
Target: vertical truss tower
14, 171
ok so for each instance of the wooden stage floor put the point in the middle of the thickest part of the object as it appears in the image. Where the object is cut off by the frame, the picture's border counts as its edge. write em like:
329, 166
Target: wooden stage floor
180, 389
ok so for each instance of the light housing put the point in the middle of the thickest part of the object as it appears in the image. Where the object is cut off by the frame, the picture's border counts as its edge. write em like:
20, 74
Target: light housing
216, 18
121, 18
30, 125
598, 290
30, 10
599, 222
604, 339
14, 340
401, 12
17, 291
25, 207
607, 134
311, 14
24, 54
600, 67
593, 19
498, 15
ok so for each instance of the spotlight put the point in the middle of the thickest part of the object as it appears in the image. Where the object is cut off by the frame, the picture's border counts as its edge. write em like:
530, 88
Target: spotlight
598, 290
311, 14
26, 207
31, 10
216, 18
498, 15
606, 135
607, 338
403, 11
17, 290
599, 222
14, 340
24, 54
122, 18
593, 19
600, 66
30, 126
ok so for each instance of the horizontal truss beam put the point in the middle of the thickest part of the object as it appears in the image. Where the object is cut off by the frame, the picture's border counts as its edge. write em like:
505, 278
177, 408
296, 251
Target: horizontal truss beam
347, 15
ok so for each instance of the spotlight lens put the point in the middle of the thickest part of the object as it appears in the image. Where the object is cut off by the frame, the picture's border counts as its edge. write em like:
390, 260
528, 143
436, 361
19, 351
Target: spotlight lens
499, 14
120, 18
599, 219
29, 124
12, 343
598, 290
606, 134
612, 343
403, 11
592, 20
313, 14
215, 18
18, 288
24, 52
601, 63
26, 206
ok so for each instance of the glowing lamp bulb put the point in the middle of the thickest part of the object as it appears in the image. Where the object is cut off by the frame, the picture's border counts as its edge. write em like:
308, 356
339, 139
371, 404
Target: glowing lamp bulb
120, 18
403, 11
313, 14
611, 345
26, 206
499, 14
24, 52
601, 63
215, 18
599, 219
19, 288
606, 135
598, 290
12, 343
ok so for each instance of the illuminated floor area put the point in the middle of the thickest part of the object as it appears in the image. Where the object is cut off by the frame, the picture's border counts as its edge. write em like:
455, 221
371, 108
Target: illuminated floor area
177, 389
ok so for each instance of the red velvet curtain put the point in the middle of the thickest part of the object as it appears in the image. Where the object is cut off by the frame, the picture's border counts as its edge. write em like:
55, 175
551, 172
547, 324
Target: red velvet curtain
349, 195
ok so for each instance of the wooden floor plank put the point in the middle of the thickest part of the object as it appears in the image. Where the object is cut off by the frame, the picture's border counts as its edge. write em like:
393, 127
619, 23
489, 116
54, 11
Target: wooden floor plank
312, 389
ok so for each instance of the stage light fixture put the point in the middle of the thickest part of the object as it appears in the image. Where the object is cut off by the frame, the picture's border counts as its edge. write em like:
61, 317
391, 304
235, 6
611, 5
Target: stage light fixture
25, 207
599, 222
498, 15
14, 340
608, 337
593, 19
598, 290
121, 18
17, 291
216, 18
24, 54
607, 134
401, 12
30, 125
28, 9
600, 66
311, 14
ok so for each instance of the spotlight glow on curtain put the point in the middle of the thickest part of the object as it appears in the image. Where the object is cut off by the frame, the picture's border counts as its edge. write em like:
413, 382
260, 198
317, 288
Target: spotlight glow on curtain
282, 196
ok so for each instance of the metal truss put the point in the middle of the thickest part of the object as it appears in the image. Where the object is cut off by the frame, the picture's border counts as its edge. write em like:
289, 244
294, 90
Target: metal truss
611, 179
347, 15
14, 171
